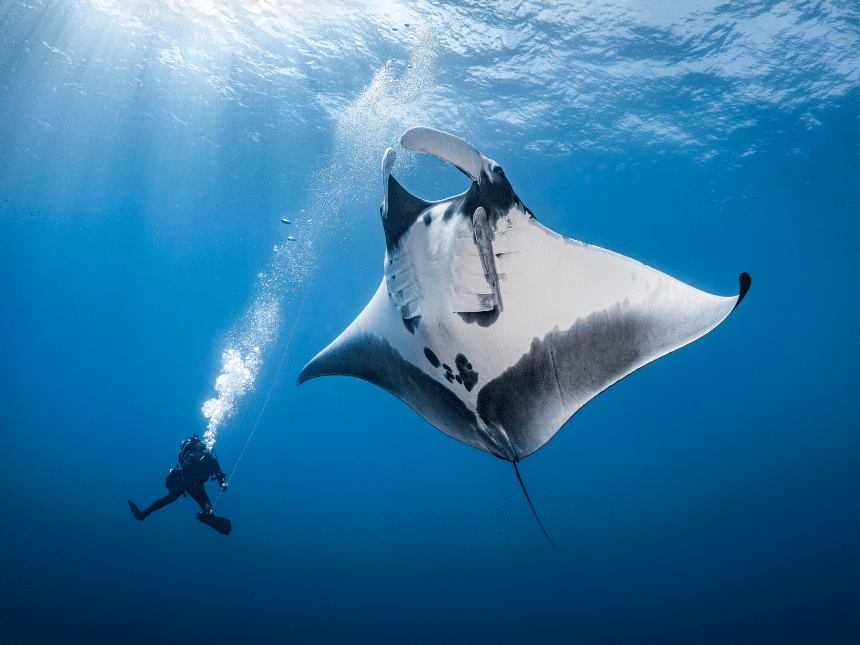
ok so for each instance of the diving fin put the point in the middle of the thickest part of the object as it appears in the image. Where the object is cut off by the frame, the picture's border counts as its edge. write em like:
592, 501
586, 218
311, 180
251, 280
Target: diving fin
220, 524
138, 515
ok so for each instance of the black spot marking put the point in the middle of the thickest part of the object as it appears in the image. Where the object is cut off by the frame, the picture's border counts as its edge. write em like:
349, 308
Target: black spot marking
411, 324
459, 379
428, 219
376, 361
483, 318
445, 367
562, 372
449, 376
468, 377
434, 361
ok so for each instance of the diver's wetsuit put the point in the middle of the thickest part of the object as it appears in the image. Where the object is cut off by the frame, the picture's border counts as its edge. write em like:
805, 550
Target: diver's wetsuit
196, 465
192, 486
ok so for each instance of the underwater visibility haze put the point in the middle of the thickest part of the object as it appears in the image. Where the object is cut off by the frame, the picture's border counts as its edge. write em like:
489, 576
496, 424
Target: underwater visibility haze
190, 212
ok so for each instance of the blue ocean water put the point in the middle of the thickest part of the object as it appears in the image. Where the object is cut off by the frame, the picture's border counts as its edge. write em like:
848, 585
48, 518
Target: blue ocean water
148, 153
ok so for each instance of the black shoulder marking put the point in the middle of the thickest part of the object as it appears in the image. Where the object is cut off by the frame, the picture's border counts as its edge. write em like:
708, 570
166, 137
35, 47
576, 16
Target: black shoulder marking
403, 209
745, 281
470, 200
497, 197
526, 209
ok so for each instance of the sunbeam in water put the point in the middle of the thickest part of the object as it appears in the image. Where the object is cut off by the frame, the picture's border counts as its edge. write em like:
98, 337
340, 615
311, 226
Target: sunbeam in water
389, 105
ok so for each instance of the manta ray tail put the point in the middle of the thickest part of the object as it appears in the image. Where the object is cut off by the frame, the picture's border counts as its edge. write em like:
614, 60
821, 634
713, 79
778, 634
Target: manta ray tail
516, 470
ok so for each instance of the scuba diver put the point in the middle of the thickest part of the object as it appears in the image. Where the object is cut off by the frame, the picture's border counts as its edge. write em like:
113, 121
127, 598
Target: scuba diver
196, 465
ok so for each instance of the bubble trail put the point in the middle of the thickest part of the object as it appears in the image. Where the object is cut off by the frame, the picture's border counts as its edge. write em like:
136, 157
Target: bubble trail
386, 108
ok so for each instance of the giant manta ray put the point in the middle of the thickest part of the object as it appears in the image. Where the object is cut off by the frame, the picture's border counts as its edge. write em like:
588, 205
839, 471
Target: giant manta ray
494, 328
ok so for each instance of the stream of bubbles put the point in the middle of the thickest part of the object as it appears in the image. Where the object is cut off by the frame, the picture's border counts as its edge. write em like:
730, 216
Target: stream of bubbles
387, 107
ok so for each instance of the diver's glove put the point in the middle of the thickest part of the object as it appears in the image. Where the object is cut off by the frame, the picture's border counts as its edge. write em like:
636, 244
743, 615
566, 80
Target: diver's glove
223, 486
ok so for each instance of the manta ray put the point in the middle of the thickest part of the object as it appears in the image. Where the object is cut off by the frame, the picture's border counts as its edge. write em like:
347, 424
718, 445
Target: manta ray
496, 329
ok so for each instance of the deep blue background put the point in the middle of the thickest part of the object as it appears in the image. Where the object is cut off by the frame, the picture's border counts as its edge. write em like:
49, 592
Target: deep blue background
713, 496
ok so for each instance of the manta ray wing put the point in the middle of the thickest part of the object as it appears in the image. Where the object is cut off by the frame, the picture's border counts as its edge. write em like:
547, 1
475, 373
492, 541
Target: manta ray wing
497, 330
